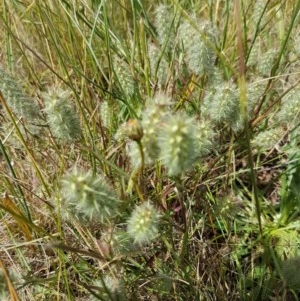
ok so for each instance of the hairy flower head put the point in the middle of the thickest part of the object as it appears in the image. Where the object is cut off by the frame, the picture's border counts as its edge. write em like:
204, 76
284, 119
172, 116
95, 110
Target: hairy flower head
177, 143
221, 104
109, 287
88, 196
142, 225
195, 42
18, 101
61, 114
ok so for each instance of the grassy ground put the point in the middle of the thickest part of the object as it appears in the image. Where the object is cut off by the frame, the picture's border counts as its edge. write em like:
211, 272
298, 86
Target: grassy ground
149, 150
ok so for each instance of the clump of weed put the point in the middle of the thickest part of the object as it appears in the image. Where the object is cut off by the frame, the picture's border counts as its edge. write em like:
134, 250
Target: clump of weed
173, 189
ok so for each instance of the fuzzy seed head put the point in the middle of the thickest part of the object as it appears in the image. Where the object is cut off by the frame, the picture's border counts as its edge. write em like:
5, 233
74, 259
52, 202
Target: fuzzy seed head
61, 114
289, 115
105, 114
205, 137
266, 62
254, 93
110, 288
165, 26
20, 103
268, 139
88, 197
221, 105
159, 66
254, 55
142, 225
177, 144
258, 12
200, 57
152, 119
124, 76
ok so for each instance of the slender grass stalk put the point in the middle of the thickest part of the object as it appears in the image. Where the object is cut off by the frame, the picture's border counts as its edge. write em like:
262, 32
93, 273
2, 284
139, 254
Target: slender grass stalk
12, 171
243, 101
257, 30
283, 48
9, 49
29, 152
145, 58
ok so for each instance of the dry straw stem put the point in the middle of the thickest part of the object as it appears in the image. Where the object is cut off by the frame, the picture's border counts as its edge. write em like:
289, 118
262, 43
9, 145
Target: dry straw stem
243, 102
13, 293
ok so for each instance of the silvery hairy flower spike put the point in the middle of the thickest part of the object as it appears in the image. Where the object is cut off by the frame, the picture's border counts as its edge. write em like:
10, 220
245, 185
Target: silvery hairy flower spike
205, 137
200, 56
266, 61
289, 115
221, 104
268, 139
20, 103
142, 225
152, 117
177, 144
165, 26
124, 76
61, 115
110, 288
159, 67
258, 11
105, 114
88, 196
151, 123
